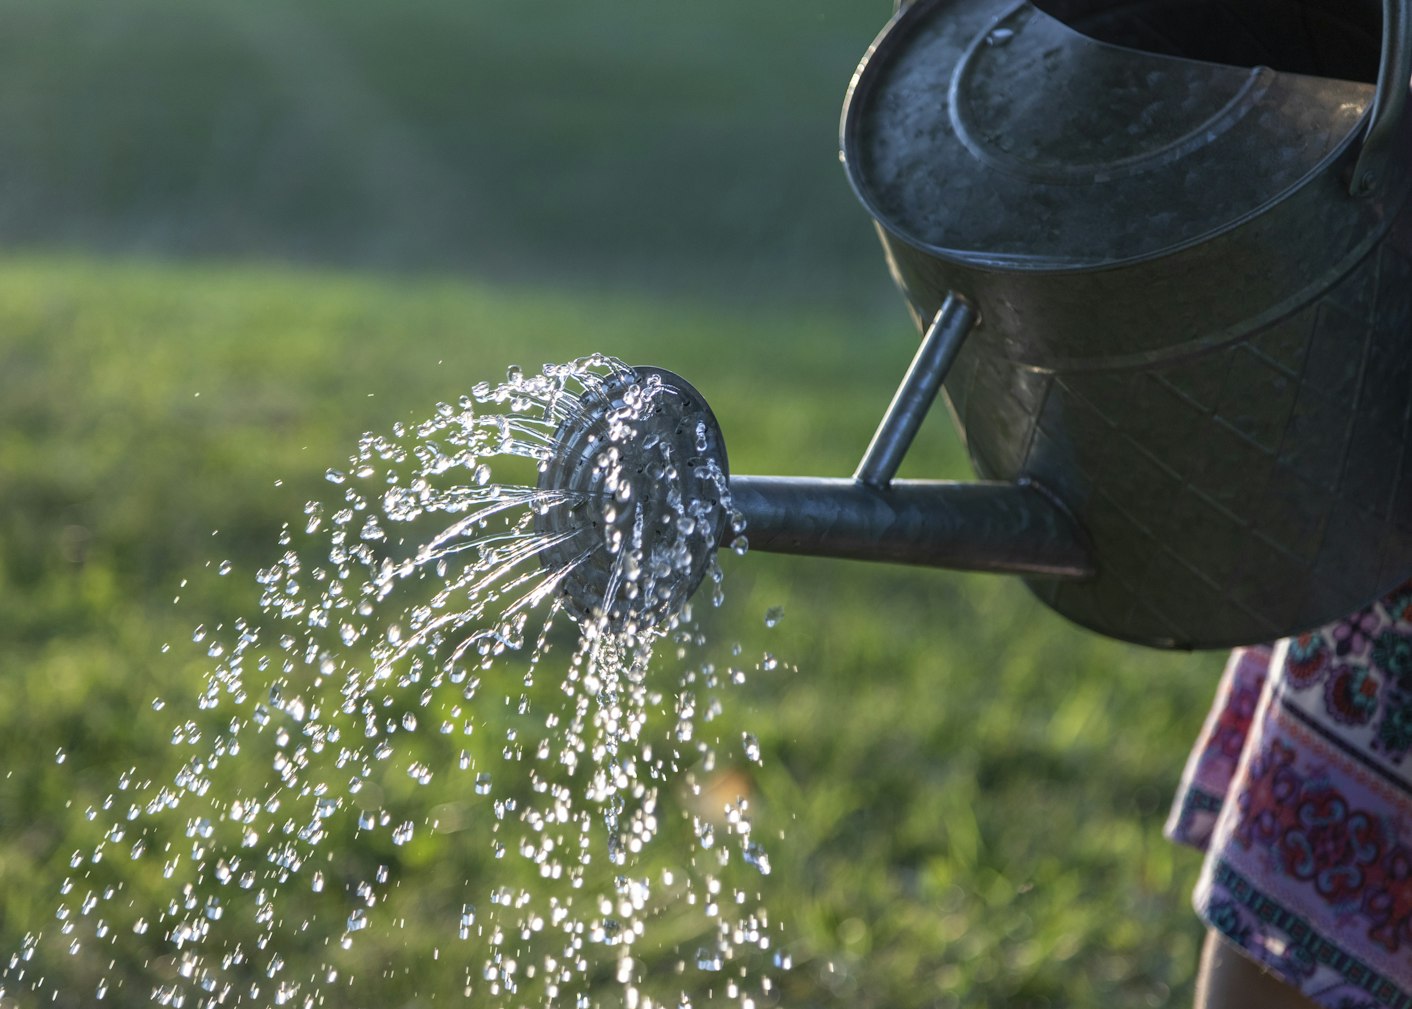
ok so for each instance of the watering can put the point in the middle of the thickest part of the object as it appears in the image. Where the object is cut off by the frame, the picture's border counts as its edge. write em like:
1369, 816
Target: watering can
1161, 255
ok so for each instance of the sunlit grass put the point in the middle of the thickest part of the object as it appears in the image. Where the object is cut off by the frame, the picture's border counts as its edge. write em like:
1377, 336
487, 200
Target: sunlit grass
961, 794
683, 147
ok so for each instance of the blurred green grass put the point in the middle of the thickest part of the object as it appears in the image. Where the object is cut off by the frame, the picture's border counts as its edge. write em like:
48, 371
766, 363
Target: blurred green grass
638, 143
969, 791
962, 795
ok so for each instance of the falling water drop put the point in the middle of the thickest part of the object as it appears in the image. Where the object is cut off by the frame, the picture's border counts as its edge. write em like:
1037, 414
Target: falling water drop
751, 745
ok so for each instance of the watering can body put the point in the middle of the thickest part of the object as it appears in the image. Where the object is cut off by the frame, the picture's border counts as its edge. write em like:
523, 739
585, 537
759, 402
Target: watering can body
1166, 289
1193, 286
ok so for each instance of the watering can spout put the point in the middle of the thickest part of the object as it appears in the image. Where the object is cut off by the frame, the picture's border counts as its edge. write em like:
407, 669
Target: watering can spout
1006, 528
650, 428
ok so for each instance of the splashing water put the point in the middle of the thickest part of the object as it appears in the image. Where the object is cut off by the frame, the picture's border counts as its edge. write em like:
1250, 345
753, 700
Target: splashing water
416, 692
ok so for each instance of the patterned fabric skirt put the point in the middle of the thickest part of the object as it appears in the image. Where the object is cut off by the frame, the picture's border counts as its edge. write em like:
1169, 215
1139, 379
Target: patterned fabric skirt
1300, 793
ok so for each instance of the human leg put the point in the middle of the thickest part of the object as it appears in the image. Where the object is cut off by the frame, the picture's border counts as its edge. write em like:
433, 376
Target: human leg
1229, 979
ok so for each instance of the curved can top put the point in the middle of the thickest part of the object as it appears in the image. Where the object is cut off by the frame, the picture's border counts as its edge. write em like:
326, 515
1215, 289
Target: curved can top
990, 132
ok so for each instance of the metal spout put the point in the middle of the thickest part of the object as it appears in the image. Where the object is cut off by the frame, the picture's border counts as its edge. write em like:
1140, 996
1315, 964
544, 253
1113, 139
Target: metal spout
1005, 528
1009, 528
638, 494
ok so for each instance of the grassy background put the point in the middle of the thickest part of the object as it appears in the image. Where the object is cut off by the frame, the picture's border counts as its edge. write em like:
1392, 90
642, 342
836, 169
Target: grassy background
239, 235
678, 147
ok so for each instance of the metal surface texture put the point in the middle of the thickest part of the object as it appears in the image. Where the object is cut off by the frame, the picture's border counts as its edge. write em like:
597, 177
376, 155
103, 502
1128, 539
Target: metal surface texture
1194, 333
991, 131
634, 492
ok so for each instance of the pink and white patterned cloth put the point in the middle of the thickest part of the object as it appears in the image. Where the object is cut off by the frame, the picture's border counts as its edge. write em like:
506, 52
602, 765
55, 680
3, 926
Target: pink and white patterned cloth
1299, 791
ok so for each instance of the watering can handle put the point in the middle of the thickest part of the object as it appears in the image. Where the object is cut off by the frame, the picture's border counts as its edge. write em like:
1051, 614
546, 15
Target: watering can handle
1389, 100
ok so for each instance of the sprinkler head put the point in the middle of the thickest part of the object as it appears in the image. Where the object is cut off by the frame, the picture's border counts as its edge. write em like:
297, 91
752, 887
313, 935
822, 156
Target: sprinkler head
633, 498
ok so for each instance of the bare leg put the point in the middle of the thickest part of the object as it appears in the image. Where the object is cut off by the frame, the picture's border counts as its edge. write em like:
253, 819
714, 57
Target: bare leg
1229, 979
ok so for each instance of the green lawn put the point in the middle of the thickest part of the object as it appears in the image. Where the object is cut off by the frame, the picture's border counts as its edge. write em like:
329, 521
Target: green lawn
680, 147
239, 234
961, 794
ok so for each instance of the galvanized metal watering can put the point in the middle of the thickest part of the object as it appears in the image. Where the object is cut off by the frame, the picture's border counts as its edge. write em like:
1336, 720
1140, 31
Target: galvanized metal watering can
1169, 300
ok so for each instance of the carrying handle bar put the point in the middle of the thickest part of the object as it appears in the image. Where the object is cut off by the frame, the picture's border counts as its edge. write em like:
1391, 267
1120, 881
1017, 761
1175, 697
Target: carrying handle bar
1389, 100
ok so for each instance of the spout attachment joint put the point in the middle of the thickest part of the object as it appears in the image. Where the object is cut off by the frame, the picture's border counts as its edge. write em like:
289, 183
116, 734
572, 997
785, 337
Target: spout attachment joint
914, 397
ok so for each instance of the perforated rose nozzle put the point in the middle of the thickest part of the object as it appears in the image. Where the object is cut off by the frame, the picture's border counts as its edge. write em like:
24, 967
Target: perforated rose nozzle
635, 497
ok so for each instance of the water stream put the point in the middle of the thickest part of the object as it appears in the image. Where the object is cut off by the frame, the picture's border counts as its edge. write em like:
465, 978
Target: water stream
417, 674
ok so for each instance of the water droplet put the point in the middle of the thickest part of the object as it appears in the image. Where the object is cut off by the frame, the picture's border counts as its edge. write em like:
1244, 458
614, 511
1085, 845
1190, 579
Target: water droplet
751, 746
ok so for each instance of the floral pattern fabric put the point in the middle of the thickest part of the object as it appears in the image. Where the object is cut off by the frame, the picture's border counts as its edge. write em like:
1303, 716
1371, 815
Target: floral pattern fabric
1300, 792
